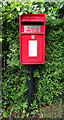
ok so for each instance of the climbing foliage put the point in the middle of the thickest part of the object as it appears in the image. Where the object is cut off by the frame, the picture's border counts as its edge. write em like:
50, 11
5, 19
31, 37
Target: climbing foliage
48, 78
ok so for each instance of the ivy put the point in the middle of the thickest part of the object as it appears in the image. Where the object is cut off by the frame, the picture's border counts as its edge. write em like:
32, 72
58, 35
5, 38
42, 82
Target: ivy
48, 78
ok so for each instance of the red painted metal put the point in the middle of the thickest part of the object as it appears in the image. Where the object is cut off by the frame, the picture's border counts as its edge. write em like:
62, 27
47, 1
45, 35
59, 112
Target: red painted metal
32, 29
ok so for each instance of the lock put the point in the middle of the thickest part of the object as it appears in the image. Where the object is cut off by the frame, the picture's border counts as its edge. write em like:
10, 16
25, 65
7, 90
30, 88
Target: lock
32, 36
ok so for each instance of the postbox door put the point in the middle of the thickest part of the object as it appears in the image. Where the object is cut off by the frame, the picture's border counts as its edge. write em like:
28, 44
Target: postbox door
32, 49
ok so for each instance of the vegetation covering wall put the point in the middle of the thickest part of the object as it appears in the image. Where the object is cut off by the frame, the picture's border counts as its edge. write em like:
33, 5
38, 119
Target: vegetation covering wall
48, 78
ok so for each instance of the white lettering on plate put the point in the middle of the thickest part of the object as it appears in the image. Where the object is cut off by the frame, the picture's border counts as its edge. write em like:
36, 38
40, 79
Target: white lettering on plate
31, 29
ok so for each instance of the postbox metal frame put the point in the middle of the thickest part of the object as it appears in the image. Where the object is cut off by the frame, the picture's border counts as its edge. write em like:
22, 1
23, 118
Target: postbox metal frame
32, 18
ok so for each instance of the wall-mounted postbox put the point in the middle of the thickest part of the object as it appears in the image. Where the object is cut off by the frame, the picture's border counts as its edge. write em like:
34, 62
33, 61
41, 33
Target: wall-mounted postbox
32, 38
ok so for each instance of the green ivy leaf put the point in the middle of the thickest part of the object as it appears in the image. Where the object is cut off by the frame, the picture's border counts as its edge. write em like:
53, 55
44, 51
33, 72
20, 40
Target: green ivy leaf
29, 9
62, 5
42, 9
53, 18
21, 105
4, 114
20, 13
18, 8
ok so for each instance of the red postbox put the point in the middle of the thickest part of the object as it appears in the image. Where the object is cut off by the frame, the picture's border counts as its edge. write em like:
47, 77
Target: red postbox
32, 38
